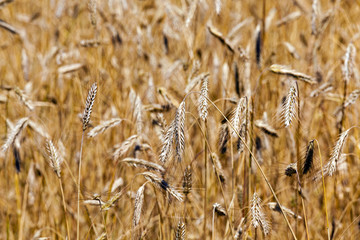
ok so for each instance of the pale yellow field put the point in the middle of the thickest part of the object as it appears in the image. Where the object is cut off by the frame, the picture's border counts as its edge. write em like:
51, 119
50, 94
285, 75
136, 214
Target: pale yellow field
269, 76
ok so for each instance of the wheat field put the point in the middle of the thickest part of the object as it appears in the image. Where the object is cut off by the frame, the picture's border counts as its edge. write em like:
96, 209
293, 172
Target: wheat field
179, 119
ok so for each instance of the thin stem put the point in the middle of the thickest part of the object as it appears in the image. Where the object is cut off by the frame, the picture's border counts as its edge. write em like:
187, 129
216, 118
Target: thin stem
64, 204
324, 189
305, 219
205, 174
232, 175
79, 178
213, 224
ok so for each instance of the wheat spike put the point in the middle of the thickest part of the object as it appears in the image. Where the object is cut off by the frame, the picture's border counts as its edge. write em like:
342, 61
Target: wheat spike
283, 70
138, 115
191, 13
187, 180
276, 208
257, 215
24, 99
167, 144
330, 167
223, 137
290, 169
104, 126
55, 159
266, 128
139, 200
348, 66
103, 236
351, 99
309, 158
289, 108
38, 129
180, 231
162, 184
218, 6
88, 106
179, 131
314, 17
220, 211
238, 116
291, 17
124, 147
107, 205
14, 134
217, 167
144, 164
92, 9
202, 102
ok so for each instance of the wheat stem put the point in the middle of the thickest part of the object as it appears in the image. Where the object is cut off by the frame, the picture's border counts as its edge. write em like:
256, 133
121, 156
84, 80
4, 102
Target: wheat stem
79, 179
324, 192
64, 205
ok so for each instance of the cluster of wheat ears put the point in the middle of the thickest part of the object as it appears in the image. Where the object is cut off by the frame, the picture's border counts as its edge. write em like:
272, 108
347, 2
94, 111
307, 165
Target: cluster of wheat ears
178, 119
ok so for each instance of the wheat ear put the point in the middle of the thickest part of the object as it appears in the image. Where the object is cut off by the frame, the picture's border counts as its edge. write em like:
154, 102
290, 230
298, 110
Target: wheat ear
14, 134
258, 218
